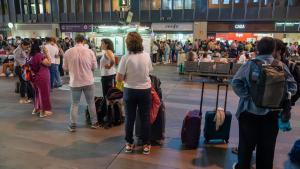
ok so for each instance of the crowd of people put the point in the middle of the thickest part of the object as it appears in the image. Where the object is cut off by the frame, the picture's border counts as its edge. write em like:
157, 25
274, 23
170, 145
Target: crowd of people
209, 50
39, 65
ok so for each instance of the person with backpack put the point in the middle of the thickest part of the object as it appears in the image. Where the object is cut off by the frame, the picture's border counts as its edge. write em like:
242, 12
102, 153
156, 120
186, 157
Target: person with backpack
259, 107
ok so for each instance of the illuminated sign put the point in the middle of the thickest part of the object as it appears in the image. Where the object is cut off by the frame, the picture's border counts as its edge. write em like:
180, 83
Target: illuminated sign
239, 26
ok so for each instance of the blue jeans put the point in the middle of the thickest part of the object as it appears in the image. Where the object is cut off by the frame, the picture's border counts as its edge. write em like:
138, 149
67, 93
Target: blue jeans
137, 100
55, 76
75, 98
167, 56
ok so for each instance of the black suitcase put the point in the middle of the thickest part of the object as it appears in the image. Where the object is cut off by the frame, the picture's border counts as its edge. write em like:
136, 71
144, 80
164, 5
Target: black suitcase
210, 132
157, 133
191, 127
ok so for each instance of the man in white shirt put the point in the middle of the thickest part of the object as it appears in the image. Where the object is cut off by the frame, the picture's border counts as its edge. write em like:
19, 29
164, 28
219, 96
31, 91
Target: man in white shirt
54, 72
80, 62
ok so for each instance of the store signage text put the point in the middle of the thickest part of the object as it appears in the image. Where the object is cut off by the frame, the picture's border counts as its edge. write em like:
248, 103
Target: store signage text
172, 27
76, 27
239, 26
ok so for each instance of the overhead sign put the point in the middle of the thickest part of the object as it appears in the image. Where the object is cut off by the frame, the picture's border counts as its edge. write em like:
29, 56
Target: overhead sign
172, 27
123, 3
239, 26
76, 27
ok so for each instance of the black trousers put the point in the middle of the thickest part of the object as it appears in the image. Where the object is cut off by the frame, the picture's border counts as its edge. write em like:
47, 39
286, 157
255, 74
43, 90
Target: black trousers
258, 132
137, 101
25, 87
60, 67
107, 83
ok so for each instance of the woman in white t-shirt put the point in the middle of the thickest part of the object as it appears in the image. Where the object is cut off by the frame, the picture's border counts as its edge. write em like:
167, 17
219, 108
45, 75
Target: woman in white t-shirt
134, 69
107, 65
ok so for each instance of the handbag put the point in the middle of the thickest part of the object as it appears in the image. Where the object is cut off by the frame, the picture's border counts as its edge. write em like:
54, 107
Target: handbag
155, 105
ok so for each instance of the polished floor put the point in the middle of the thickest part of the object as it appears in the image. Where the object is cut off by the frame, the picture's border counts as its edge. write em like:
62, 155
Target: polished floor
28, 142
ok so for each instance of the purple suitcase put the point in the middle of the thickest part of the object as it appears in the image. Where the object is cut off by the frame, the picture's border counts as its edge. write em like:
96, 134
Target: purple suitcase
191, 128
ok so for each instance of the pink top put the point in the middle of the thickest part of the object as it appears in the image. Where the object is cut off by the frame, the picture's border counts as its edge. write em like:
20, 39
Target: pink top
80, 62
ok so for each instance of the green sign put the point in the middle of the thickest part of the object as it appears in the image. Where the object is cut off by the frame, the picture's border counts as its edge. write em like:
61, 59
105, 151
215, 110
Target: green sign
122, 3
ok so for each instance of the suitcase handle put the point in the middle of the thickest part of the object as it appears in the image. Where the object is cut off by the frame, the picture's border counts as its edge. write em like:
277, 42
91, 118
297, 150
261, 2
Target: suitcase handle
226, 93
201, 99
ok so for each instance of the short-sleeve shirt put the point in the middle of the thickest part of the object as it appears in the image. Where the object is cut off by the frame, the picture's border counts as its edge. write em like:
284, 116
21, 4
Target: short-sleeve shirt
136, 68
53, 51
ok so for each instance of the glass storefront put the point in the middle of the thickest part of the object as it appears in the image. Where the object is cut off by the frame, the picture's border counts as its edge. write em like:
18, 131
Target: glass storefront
117, 34
291, 38
182, 37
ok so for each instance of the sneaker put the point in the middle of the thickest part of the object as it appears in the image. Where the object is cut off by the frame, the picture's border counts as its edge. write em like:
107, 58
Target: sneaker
129, 148
2, 75
146, 149
95, 125
72, 127
11, 75
34, 111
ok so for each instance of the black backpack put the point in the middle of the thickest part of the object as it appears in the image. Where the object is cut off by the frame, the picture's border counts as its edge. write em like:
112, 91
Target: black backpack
114, 115
272, 78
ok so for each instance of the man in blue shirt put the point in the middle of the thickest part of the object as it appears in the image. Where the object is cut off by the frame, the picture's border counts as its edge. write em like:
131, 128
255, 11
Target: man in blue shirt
258, 127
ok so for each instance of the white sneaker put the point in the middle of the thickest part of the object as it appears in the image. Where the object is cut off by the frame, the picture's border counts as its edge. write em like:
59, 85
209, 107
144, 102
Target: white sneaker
11, 75
34, 111
2, 75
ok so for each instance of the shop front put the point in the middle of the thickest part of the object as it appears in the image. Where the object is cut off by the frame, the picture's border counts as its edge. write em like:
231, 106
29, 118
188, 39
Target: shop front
35, 30
290, 31
231, 31
173, 31
117, 34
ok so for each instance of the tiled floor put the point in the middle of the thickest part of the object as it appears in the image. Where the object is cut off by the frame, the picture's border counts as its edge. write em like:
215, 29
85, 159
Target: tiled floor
27, 142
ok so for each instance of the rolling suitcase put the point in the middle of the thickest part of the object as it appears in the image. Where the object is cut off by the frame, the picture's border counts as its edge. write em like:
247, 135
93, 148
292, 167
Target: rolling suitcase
191, 128
159, 125
210, 132
157, 128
